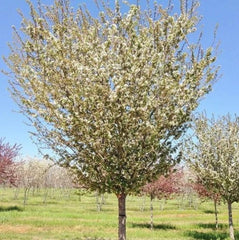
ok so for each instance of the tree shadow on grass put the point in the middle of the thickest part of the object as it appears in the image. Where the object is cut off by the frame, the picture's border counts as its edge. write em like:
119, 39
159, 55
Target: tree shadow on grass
212, 226
209, 211
207, 236
215, 235
11, 208
155, 226
95, 210
89, 238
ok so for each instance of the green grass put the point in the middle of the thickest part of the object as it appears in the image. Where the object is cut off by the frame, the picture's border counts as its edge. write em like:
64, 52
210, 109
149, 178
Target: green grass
66, 218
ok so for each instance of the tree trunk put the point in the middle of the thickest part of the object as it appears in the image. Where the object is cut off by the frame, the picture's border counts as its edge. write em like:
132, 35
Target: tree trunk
229, 204
122, 217
17, 190
98, 205
215, 211
102, 199
143, 204
45, 195
151, 211
162, 204
25, 197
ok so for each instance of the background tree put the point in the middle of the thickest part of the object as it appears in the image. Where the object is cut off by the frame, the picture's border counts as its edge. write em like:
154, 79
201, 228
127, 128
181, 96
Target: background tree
205, 192
8, 154
35, 175
186, 193
213, 154
163, 188
110, 95
29, 175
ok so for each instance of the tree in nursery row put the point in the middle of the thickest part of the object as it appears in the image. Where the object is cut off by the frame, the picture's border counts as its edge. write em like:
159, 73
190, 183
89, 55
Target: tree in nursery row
35, 175
205, 192
8, 155
213, 155
163, 188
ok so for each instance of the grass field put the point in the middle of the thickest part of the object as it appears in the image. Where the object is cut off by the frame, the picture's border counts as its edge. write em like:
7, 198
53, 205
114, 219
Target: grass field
66, 217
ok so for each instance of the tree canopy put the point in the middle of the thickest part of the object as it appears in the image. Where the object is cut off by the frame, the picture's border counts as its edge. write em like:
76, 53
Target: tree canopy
109, 95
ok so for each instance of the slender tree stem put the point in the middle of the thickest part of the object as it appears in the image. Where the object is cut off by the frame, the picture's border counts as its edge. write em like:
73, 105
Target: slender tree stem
231, 229
215, 210
151, 210
122, 216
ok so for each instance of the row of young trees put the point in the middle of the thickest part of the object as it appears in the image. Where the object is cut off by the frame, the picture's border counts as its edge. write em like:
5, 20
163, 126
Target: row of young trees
183, 184
36, 175
31, 174
39, 175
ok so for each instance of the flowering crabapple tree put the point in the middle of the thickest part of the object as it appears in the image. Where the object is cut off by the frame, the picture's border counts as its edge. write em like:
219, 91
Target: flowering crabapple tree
8, 154
205, 192
111, 94
163, 188
213, 155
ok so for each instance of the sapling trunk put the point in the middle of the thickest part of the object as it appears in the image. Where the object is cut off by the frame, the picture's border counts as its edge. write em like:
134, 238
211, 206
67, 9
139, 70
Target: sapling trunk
17, 190
162, 203
25, 196
143, 204
215, 211
46, 193
151, 213
122, 216
98, 205
231, 229
102, 199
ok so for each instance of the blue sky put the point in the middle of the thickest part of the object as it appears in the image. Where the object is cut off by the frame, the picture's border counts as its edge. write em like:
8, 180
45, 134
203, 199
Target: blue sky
222, 100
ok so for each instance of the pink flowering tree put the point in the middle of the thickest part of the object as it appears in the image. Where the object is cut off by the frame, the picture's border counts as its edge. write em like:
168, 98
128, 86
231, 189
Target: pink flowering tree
163, 188
8, 153
204, 192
